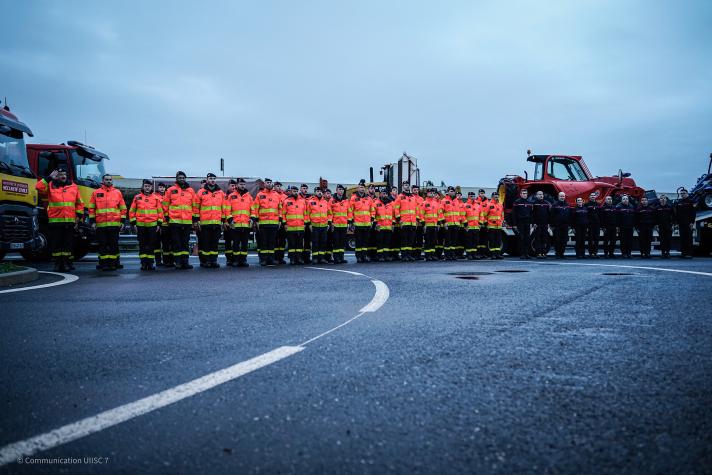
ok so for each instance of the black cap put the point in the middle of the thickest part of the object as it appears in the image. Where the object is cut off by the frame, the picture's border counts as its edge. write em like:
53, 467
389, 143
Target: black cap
316, 188
267, 179
304, 185
160, 183
480, 190
241, 180
471, 193
179, 173
450, 188
232, 182
362, 182
147, 182
211, 175
327, 191
62, 168
405, 182
340, 187
277, 183
494, 193
293, 187
415, 186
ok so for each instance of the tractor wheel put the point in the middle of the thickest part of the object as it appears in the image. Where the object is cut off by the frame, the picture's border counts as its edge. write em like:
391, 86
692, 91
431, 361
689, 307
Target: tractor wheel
547, 245
707, 200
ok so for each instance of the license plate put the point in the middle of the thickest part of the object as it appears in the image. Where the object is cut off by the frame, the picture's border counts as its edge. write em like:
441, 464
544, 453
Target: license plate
17, 245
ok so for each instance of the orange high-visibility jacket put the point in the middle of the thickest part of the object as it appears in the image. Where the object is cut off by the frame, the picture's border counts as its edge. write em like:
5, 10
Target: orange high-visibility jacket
430, 212
472, 213
267, 206
420, 200
495, 215
64, 202
146, 210
179, 205
361, 209
452, 208
239, 205
484, 207
159, 197
211, 205
406, 208
340, 212
294, 212
107, 207
385, 214
318, 212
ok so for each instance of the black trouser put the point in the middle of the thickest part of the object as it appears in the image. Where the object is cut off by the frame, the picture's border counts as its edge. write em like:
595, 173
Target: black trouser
473, 240
147, 238
609, 240
372, 243
452, 239
645, 239
561, 237
580, 230
685, 239
524, 231
626, 240
461, 241
431, 240
395, 242
329, 247
281, 243
418, 242
295, 244
495, 241
61, 241
361, 234
483, 246
240, 239
165, 254
407, 237
541, 233
268, 241
180, 243
227, 239
318, 241
594, 235
440, 243
383, 243
339, 242
108, 238
209, 239
306, 252
665, 233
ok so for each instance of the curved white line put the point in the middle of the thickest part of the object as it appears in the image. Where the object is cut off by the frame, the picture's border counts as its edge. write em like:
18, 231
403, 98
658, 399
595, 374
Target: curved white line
66, 279
664, 269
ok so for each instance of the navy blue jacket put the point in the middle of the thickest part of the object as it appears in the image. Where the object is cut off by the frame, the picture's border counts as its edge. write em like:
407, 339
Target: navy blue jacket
625, 215
560, 214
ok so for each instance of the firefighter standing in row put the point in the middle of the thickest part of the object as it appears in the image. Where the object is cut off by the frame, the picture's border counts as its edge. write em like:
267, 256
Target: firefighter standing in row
395, 235
495, 218
645, 217
227, 230
579, 220
329, 246
238, 226
521, 217
146, 216
179, 206
541, 215
294, 210
560, 218
608, 217
164, 255
306, 253
281, 242
361, 211
453, 221
384, 218
472, 217
625, 213
107, 214
483, 246
685, 214
594, 225
318, 218
418, 239
431, 214
266, 210
665, 218
406, 213
65, 210
211, 209
340, 221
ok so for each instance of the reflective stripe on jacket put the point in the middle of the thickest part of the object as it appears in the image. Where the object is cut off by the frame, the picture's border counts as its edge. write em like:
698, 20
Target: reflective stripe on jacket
146, 210
107, 207
238, 209
64, 202
179, 205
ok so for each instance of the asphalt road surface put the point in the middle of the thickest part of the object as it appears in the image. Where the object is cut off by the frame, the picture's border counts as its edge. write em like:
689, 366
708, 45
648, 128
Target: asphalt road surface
555, 368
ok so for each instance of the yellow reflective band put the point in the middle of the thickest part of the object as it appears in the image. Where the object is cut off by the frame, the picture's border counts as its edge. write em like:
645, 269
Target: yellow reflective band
58, 204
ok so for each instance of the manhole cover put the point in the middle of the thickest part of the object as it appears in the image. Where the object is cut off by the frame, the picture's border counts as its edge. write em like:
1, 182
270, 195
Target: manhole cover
469, 273
467, 277
618, 273
512, 270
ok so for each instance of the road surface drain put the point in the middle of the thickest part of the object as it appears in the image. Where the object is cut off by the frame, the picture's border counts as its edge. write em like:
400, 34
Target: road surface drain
467, 277
469, 273
618, 273
512, 270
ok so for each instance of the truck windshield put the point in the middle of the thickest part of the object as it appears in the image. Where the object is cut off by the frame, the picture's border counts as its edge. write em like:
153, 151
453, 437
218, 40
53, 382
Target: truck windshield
563, 168
87, 171
13, 155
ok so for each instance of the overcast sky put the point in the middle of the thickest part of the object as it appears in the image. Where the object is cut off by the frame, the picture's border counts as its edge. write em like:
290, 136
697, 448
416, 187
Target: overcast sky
297, 90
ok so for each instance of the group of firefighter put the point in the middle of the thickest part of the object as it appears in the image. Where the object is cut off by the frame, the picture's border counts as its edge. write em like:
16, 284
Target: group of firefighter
312, 228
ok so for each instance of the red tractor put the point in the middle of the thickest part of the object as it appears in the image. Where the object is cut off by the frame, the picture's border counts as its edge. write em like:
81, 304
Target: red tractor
567, 173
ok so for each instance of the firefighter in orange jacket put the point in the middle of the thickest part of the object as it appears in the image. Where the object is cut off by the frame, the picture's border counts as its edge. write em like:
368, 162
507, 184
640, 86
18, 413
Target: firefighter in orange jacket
385, 217
453, 221
239, 205
318, 218
164, 256
179, 208
340, 218
472, 215
65, 210
406, 212
266, 210
495, 218
294, 210
227, 230
146, 215
211, 208
482, 247
430, 213
107, 213
419, 230
306, 253
361, 212
281, 242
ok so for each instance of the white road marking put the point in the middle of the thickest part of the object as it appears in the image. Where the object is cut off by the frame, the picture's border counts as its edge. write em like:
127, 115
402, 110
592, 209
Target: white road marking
90, 425
664, 269
66, 279
104, 420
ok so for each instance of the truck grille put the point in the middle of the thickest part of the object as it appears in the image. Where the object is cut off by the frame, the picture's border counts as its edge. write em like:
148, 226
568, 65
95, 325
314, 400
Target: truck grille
15, 228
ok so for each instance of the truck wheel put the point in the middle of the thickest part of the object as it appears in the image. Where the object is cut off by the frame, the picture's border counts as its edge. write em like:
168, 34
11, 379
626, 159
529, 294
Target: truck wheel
41, 254
707, 200
547, 245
